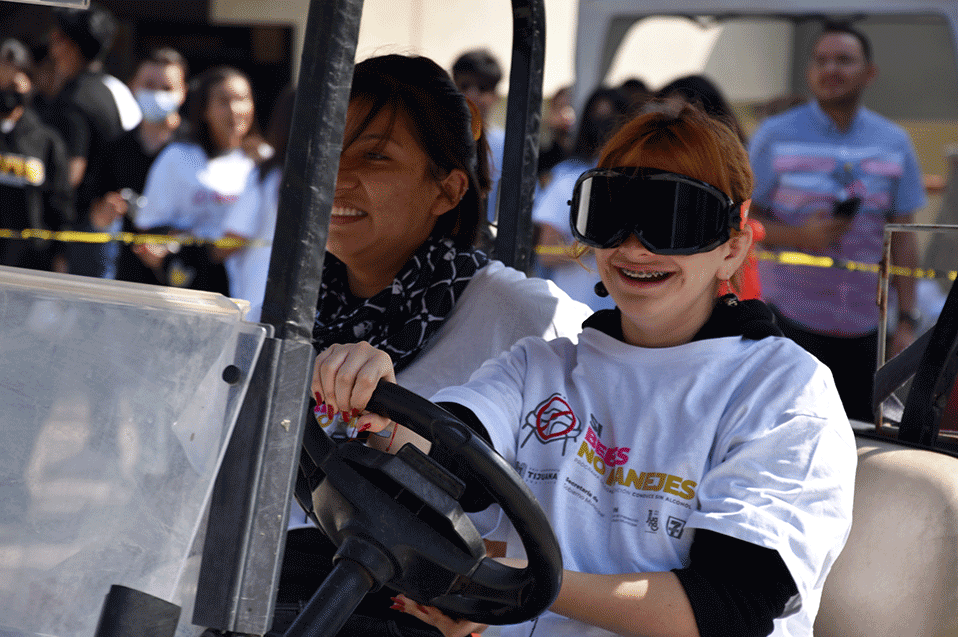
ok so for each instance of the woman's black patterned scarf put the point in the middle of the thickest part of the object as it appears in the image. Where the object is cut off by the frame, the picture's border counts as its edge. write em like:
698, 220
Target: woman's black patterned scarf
400, 319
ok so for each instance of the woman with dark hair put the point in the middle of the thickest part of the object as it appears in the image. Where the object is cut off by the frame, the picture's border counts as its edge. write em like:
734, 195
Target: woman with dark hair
193, 183
574, 273
401, 272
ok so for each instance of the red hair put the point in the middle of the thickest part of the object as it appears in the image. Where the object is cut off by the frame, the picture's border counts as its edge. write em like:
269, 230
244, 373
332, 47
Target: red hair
674, 135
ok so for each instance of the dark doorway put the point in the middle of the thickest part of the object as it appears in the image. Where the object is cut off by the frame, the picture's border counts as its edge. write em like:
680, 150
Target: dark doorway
263, 51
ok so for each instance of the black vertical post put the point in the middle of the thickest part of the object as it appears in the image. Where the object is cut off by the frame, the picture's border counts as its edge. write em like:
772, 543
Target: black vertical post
238, 582
523, 116
312, 160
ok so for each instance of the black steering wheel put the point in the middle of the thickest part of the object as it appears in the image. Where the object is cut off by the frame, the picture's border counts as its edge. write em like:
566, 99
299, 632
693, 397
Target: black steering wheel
397, 522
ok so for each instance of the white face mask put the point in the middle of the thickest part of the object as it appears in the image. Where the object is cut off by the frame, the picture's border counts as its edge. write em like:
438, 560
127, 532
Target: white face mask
156, 105
6, 125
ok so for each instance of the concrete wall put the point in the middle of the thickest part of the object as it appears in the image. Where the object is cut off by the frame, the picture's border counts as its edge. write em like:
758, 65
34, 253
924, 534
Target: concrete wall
751, 60
440, 29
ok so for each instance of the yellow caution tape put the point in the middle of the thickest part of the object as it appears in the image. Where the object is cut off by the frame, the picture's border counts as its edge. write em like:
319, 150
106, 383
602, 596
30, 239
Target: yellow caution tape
555, 250
75, 236
802, 259
810, 260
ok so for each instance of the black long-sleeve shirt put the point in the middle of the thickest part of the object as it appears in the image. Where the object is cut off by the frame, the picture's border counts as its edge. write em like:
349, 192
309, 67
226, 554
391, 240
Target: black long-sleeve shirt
34, 188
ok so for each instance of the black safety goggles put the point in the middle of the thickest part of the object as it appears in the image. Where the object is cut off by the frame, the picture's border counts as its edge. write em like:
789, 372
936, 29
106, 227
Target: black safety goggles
668, 212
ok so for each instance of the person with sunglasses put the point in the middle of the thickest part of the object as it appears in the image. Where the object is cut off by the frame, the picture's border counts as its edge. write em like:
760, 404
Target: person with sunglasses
697, 467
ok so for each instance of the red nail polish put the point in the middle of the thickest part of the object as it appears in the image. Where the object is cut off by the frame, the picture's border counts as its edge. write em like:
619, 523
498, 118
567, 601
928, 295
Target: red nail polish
397, 607
318, 398
365, 427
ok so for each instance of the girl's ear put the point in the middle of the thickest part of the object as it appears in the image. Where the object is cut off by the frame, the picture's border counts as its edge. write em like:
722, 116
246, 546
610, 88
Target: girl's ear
738, 246
453, 188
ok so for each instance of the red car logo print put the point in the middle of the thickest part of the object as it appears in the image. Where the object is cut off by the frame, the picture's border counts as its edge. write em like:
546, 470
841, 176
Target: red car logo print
552, 420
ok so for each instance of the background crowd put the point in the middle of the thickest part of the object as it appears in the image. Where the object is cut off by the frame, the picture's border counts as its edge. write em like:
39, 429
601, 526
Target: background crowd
166, 153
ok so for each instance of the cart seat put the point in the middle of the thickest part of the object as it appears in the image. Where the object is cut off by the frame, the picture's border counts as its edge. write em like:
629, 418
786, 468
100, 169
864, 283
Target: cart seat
898, 573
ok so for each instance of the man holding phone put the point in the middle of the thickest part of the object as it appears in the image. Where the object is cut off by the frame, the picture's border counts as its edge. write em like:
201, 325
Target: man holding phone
829, 175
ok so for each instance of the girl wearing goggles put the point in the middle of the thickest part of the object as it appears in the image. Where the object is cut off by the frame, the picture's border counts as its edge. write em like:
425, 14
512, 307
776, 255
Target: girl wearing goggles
697, 467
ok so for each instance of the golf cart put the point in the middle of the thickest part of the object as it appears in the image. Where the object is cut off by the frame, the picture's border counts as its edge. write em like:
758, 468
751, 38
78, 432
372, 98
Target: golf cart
153, 436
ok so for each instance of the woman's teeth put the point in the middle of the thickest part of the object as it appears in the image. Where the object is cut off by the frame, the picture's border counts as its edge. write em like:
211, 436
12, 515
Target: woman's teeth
644, 275
346, 212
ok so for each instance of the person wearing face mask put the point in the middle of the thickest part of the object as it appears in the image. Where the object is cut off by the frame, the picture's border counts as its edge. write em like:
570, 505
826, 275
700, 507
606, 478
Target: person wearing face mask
605, 109
159, 86
34, 178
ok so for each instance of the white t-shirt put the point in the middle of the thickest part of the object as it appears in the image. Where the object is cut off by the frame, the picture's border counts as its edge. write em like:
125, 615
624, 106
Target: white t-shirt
191, 192
629, 449
499, 307
126, 104
253, 217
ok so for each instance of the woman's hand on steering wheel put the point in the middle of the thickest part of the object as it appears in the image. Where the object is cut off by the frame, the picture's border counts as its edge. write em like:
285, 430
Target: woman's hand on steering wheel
448, 626
344, 378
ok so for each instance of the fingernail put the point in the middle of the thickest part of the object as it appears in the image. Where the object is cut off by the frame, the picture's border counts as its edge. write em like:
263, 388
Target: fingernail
355, 413
397, 606
318, 398
364, 427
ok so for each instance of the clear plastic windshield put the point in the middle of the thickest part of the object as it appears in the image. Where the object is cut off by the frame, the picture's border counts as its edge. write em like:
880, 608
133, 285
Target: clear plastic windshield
116, 403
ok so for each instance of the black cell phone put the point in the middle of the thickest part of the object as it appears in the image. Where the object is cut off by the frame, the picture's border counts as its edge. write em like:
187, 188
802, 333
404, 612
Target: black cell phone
848, 208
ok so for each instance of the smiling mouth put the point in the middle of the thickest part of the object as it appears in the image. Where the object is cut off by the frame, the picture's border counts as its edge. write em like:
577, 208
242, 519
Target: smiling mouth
339, 211
645, 276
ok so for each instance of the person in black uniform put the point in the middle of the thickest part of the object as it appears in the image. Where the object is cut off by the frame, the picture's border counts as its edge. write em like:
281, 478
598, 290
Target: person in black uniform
34, 182
159, 86
85, 113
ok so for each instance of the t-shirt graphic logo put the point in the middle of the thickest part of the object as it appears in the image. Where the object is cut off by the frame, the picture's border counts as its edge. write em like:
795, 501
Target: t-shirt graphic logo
552, 420
674, 527
652, 521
